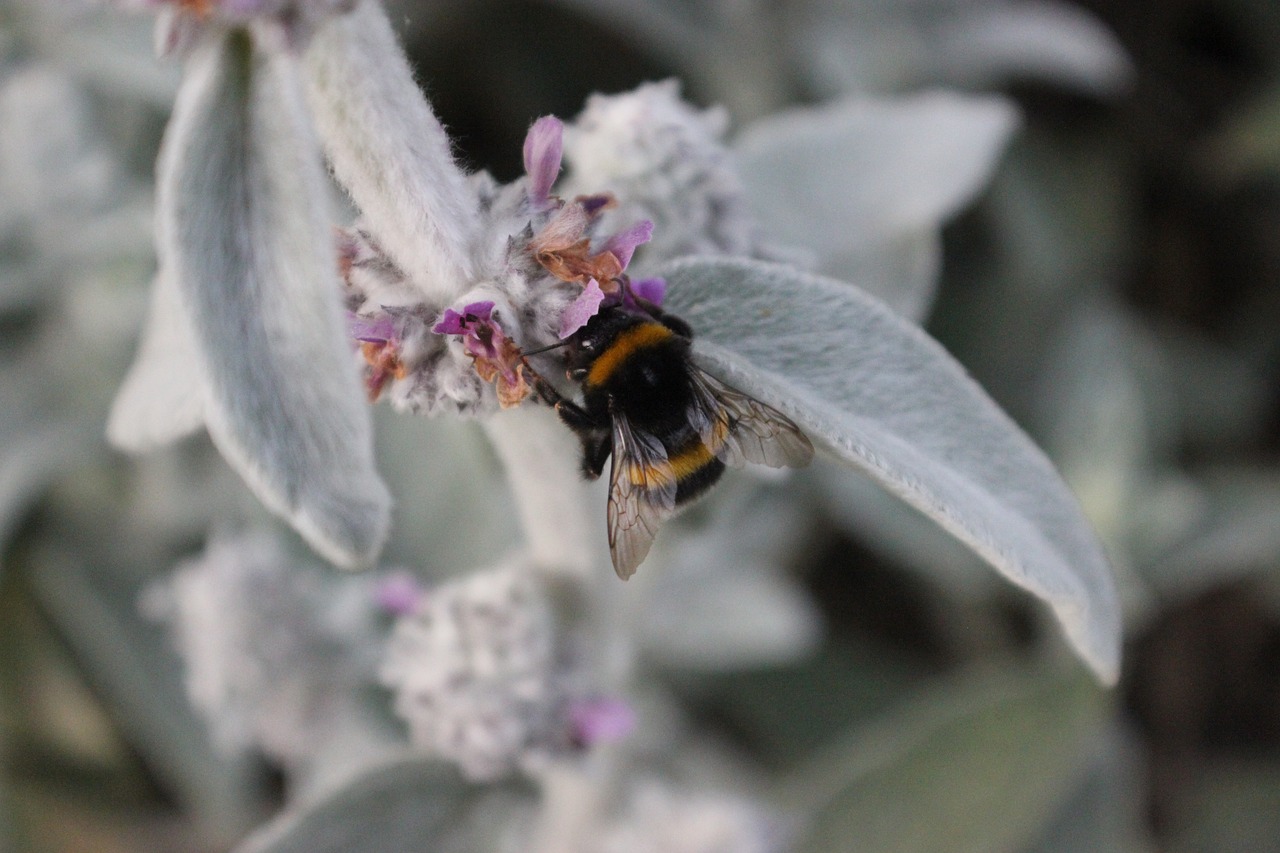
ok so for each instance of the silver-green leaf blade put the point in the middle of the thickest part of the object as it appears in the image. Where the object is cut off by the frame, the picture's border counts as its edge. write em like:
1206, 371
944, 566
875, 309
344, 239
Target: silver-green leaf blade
979, 763
864, 184
408, 806
244, 231
883, 396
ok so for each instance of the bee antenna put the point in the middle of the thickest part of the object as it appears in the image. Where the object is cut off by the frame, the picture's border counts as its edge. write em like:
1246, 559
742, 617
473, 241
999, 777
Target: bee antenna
545, 349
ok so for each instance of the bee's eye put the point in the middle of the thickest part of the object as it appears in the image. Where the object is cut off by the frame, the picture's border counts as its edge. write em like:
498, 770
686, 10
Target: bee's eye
588, 344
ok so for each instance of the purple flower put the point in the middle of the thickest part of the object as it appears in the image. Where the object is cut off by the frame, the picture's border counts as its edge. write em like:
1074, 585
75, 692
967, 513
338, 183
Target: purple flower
398, 593
371, 330
380, 346
595, 204
582, 309
623, 244
542, 148
464, 323
652, 290
600, 719
497, 358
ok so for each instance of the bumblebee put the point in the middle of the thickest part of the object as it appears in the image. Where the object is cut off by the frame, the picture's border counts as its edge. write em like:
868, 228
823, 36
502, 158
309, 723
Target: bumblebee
670, 427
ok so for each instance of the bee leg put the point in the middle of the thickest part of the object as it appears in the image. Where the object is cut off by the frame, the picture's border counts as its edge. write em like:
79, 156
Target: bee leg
596, 448
575, 417
546, 392
597, 441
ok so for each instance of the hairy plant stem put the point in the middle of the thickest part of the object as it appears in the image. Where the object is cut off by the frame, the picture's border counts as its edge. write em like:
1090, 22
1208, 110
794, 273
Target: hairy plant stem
563, 522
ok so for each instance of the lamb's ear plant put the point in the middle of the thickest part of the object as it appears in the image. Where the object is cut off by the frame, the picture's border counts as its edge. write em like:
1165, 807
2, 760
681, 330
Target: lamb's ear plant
267, 315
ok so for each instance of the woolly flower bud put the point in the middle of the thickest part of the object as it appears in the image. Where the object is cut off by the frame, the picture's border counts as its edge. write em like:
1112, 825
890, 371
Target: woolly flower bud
665, 162
476, 674
269, 645
660, 819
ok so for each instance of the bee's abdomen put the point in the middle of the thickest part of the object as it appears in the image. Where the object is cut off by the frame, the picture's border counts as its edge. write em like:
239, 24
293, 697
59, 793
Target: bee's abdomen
695, 467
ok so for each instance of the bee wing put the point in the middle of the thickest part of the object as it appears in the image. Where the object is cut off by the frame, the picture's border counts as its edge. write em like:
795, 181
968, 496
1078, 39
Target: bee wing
642, 495
738, 428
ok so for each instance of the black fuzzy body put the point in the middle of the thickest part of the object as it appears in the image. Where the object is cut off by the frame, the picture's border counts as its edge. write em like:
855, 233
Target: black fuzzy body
651, 386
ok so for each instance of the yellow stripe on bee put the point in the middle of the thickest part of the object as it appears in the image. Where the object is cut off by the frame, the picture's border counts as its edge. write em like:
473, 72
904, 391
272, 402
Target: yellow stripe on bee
690, 460
622, 348
687, 462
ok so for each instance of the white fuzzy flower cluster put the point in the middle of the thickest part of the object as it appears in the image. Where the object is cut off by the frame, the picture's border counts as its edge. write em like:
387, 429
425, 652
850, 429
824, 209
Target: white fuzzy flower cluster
666, 161
270, 646
663, 819
418, 370
478, 675
643, 159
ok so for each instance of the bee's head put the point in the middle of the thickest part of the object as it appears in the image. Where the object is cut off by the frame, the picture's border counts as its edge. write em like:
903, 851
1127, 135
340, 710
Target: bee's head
586, 344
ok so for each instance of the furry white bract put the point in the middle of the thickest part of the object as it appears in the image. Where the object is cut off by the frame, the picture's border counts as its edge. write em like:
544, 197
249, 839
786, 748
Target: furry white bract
162, 398
244, 231
391, 154
883, 396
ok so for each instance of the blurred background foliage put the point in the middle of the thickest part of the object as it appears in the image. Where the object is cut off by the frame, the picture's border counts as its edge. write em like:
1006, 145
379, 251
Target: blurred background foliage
1116, 289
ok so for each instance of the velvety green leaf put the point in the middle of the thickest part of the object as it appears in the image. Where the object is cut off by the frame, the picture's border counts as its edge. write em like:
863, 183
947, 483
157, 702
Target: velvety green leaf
163, 396
1058, 43
1106, 811
880, 395
246, 236
413, 806
899, 533
390, 152
1235, 534
788, 712
978, 764
1233, 807
883, 46
864, 184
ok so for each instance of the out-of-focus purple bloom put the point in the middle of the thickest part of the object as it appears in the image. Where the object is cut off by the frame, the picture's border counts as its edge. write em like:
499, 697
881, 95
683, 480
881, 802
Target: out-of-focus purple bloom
652, 290
582, 309
597, 203
399, 593
601, 719
372, 330
623, 244
542, 149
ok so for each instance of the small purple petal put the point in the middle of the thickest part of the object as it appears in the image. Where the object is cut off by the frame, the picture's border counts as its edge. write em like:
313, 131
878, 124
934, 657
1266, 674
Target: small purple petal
623, 245
650, 289
375, 330
455, 323
452, 323
582, 309
543, 147
480, 311
399, 593
593, 204
601, 719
